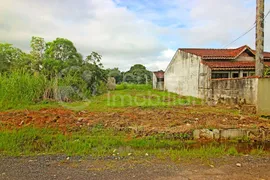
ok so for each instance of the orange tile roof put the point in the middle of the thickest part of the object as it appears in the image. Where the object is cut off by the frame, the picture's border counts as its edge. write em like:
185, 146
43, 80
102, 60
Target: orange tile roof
221, 53
232, 64
159, 74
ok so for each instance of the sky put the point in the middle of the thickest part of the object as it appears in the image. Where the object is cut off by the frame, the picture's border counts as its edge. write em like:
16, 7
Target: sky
128, 32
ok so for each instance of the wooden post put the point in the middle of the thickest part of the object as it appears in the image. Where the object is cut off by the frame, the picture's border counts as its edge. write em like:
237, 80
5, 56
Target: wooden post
259, 70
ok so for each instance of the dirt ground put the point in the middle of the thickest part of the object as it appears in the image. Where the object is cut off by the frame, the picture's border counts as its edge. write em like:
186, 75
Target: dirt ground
144, 121
141, 120
63, 168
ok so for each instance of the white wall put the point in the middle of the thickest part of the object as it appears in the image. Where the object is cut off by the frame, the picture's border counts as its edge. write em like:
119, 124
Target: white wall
154, 81
205, 82
181, 76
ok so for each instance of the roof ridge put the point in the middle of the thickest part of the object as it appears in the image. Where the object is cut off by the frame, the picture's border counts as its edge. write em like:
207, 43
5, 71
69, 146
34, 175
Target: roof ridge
212, 53
205, 48
217, 48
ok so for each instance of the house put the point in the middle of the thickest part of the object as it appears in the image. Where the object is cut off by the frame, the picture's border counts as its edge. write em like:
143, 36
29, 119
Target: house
191, 69
158, 80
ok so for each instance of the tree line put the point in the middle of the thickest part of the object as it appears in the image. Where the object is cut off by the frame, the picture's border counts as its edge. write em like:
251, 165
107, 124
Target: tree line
60, 63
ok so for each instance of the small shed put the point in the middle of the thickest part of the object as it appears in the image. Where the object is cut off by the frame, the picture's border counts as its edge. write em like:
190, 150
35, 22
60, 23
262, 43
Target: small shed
158, 80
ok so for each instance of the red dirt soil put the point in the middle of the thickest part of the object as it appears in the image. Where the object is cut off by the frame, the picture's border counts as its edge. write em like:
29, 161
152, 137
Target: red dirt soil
143, 121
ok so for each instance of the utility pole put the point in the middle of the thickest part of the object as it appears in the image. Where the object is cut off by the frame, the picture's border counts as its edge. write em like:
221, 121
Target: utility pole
259, 70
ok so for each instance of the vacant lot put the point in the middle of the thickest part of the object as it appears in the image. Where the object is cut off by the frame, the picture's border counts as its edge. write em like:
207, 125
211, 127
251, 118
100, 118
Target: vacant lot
135, 108
132, 132
133, 117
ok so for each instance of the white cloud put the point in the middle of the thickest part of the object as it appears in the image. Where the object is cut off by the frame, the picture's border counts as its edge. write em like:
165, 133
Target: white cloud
127, 32
161, 61
113, 31
168, 53
217, 23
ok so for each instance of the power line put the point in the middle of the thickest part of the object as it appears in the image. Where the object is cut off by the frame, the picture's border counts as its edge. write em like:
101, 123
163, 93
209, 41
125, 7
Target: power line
240, 36
266, 15
253, 26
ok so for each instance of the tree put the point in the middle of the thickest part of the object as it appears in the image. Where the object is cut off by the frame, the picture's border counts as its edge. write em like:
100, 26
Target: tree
61, 64
116, 73
129, 78
138, 74
51, 67
38, 46
94, 58
63, 50
93, 72
60, 56
10, 57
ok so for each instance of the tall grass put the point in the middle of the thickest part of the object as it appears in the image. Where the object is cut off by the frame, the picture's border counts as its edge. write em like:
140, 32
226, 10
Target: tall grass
22, 89
19, 89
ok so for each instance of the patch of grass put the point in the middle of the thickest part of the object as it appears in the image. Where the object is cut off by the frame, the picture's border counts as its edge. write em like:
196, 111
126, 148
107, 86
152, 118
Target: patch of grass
31, 141
232, 151
100, 142
123, 86
142, 96
36, 106
28, 94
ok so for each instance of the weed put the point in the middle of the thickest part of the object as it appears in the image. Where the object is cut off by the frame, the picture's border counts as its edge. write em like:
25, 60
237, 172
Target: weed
258, 151
100, 142
232, 151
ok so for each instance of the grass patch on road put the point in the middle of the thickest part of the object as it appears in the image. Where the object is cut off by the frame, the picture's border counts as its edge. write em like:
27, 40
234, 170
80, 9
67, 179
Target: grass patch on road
100, 142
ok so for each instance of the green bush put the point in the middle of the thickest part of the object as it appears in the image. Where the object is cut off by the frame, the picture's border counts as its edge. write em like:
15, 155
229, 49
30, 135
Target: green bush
102, 88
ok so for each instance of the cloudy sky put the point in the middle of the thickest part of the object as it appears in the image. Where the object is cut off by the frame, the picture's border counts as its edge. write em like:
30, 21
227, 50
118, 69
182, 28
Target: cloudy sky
126, 32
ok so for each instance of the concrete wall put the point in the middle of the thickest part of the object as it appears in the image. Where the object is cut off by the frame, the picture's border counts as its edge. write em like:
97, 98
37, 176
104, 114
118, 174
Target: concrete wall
157, 84
160, 85
154, 81
204, 82
263, 104
254, 91
181, 76
235, 91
